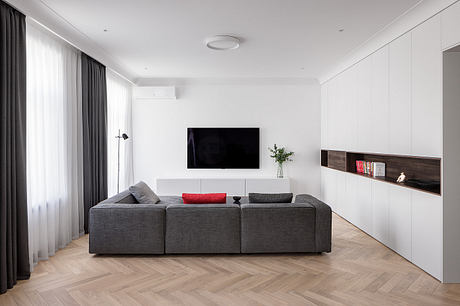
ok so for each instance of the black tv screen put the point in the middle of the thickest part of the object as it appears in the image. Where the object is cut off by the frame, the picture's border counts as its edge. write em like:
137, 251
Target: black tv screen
223, 148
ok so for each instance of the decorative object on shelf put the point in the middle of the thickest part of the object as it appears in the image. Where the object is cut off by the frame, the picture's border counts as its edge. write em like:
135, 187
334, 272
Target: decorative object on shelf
281, 155
378, 169
401, 178
236, 200
119, 137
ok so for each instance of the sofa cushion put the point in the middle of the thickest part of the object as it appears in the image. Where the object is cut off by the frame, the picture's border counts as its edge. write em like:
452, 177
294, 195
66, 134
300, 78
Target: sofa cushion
143, 194
278, 228
270, 197
204, 198
202, 228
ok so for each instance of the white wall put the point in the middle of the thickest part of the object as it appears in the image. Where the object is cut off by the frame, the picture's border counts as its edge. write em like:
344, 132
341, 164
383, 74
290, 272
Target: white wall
288, 115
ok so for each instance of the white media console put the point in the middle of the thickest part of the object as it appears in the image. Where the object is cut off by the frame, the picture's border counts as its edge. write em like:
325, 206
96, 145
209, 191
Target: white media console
231, 186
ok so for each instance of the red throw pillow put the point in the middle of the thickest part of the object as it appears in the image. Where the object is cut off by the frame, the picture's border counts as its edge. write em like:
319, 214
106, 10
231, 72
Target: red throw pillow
204, 198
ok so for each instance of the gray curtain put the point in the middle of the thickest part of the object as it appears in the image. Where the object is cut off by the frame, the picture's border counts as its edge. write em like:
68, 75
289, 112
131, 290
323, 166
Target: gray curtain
14, 250
94, 107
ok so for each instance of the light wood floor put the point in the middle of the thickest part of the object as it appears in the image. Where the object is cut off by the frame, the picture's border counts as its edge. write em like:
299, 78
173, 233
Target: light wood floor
359, 271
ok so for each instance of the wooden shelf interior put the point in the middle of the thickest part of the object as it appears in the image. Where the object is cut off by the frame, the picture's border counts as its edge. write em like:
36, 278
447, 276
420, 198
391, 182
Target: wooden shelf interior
422, 173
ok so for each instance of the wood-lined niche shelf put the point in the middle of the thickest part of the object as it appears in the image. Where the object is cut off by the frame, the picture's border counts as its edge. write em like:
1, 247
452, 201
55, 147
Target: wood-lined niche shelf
422, 173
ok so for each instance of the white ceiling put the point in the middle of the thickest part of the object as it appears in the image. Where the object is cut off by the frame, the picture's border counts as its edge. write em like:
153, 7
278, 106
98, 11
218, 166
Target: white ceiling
281, 38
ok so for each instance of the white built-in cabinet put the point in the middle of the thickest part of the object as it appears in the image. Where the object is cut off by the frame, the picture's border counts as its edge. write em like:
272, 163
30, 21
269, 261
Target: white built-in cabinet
427, 89
391, 102
407, 221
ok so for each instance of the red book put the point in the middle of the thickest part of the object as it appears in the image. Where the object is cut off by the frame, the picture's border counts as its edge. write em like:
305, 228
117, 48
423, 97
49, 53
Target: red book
359, 166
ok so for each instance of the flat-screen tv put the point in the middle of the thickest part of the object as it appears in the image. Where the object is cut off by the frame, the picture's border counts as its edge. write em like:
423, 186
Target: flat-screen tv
223, 148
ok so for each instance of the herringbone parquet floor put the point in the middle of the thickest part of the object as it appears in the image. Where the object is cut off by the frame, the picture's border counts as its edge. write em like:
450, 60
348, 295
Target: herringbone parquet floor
359, 271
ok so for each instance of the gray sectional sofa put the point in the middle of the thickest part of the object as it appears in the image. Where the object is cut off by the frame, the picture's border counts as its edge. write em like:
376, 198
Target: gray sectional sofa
119, 225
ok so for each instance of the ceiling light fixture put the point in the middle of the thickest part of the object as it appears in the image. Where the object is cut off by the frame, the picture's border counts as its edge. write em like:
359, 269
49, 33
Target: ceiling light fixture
222, 42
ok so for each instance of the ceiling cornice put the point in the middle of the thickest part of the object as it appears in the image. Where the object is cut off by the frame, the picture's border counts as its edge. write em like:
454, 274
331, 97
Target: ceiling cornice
44, 15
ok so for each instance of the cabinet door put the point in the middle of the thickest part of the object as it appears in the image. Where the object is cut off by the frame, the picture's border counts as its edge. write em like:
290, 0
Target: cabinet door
340, 111
171, 187
350, 209
399, 221
324, 88
273, 185
349, 111
363, 105
330, 188
233, 187
341, 202
323, 184
332, 123
379, 101
380, 198
427, 232
450, 26
427, 89
400, 94
364, 204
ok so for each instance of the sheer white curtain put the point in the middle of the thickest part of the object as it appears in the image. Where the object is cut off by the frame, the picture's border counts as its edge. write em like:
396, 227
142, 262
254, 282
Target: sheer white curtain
119, 93
54, 143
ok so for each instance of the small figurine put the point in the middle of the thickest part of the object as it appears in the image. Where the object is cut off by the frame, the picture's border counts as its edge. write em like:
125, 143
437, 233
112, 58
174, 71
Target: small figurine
401, 178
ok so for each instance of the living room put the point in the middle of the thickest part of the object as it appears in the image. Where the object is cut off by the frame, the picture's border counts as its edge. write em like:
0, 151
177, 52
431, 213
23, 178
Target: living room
229, 153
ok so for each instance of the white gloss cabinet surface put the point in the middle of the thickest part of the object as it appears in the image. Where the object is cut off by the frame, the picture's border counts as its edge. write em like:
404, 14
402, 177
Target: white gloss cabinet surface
177, 186
330, 188
427, 89
270, 185
399, 97
380, 209
324, 95
400, 221
379, 102
427, 232
363, 210
229, 186
363, 105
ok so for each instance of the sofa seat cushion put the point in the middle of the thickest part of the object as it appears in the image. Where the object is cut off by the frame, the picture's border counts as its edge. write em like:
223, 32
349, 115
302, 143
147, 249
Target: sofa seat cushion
143, 194
202, 228
277, 228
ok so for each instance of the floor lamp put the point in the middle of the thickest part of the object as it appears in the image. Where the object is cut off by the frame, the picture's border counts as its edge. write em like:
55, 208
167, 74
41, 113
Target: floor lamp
119, 137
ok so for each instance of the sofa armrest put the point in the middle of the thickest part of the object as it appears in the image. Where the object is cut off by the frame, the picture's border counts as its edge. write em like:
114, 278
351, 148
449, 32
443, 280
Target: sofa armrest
323, 221
116, 228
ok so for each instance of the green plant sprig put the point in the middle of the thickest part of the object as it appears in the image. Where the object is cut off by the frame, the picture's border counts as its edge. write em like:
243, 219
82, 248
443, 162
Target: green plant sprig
280, 155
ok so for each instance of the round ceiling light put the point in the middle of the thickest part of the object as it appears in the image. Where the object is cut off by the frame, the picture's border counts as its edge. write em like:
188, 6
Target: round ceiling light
222, 42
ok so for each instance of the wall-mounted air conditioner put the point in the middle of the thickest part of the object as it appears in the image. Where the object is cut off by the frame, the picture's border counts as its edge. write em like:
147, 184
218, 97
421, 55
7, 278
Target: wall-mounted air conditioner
154, 92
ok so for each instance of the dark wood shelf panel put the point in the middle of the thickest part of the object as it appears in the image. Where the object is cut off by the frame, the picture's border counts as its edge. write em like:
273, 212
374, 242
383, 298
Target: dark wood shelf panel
422, 173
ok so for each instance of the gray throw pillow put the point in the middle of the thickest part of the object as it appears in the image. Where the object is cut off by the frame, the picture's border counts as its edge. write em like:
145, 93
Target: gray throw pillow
270, 197
143, 194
